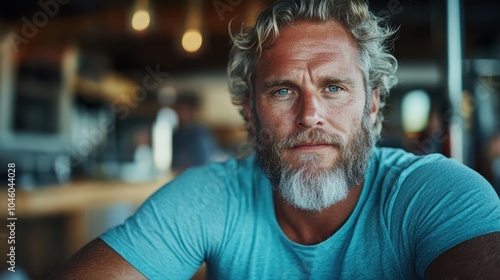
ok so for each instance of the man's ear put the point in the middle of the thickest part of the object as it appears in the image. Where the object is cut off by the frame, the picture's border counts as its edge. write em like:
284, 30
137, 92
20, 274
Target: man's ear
375, 103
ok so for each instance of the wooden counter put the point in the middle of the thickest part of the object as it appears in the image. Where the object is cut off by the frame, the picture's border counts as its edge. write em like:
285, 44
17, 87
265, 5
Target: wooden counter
80, 195
68, 212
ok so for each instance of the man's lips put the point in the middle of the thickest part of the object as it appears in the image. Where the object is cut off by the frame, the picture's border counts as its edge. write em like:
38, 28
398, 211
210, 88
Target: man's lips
311, 146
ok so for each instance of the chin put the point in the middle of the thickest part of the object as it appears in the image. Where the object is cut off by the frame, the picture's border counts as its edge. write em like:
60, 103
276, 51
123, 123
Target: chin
313, 192
314, 161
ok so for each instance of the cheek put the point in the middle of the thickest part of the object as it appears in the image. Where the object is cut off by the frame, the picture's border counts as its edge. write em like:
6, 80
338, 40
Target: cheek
274, 125
268, 115
346, 116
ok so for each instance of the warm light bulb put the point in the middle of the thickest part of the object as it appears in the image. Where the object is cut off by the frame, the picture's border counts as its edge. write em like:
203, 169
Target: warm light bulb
192, 40
140, 20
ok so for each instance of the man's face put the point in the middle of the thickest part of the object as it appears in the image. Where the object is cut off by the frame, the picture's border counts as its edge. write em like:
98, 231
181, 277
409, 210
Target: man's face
310, 104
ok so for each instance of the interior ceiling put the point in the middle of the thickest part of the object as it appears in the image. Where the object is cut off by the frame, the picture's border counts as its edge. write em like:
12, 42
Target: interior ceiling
101, 27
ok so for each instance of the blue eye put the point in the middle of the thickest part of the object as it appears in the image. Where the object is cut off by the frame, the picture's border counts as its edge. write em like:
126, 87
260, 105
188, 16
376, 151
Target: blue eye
333, 88
283, 91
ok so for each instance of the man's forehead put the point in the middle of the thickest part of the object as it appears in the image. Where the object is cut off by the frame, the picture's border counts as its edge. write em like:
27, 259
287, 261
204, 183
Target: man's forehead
312, 32
311, 40
308, 44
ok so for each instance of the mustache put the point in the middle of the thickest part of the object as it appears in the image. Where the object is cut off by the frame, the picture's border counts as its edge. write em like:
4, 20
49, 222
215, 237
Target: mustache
315, 135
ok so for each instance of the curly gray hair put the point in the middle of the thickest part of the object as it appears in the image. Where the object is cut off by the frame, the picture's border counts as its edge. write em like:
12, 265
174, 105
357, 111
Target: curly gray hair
370, 32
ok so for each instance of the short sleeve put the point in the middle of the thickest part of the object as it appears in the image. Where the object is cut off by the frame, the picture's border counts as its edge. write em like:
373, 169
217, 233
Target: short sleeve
439, 204
173, 231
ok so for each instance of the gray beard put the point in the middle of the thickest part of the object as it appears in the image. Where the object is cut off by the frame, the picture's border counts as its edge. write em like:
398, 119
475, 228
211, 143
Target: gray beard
310, 187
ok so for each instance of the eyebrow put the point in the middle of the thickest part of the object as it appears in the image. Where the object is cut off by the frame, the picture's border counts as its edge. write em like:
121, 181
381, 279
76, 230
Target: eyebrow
267, 84
333, 80
282, 81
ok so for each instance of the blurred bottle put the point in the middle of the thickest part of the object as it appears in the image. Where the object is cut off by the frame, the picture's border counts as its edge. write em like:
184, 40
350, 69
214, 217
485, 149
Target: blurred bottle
163, 128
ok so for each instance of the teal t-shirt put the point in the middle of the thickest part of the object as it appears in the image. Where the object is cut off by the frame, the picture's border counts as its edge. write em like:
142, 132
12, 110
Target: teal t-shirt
411, 209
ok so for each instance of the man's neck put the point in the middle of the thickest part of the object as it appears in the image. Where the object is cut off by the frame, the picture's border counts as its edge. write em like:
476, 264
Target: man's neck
313, 227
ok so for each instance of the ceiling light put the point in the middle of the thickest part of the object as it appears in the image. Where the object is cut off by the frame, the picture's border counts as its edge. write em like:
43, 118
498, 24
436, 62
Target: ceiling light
192, 40
140, 20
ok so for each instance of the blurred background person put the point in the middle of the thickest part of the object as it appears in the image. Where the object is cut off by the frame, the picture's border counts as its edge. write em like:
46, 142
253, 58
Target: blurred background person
193, 142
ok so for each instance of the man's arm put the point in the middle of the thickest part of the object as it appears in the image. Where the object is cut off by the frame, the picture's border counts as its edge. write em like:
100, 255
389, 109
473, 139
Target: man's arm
97, 261
477, 258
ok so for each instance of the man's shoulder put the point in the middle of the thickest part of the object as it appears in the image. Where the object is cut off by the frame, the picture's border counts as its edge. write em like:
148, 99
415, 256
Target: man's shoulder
399, 158
226, 170
401, 164
207, 191
430, 167
217, 176
425, 199
406, 179
397, 173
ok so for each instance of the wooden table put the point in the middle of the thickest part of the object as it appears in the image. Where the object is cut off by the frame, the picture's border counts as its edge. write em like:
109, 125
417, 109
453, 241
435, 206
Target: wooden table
80, 195
73, 202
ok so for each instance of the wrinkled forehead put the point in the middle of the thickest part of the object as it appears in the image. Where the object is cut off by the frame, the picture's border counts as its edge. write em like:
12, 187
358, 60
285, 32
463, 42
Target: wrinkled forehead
321, 40
312, 45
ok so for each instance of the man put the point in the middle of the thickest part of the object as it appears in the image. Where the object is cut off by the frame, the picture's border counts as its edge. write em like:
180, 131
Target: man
317, 201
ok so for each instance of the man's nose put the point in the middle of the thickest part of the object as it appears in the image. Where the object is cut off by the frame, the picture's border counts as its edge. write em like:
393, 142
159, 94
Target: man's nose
310, 111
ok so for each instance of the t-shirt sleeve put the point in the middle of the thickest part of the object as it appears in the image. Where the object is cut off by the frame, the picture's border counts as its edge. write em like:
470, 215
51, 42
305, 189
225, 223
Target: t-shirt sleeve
439, 204
172, 233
